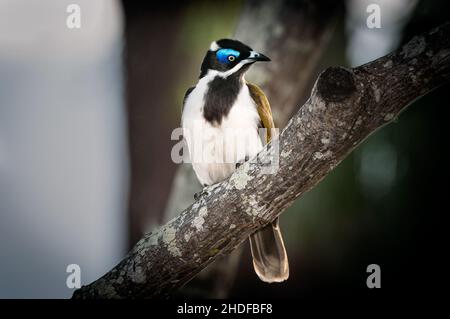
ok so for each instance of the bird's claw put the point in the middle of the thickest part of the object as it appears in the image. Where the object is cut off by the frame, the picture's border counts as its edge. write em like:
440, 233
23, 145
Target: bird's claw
198, 195
203, 192
238, 164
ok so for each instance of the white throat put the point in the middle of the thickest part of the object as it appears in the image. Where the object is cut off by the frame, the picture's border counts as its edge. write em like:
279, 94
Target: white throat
237, 67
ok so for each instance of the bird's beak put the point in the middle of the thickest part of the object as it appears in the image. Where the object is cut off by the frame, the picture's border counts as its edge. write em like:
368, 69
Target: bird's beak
255, 56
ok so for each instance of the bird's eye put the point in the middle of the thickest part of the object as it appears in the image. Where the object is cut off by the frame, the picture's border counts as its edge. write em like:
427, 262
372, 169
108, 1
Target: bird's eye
227, 55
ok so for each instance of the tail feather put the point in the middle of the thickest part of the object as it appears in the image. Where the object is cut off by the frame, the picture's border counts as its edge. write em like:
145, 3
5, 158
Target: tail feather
269, 254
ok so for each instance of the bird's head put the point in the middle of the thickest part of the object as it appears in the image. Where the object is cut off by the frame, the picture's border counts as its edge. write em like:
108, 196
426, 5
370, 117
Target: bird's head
228, 57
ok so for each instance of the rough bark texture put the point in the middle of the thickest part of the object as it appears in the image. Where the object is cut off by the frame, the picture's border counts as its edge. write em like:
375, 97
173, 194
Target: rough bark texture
346, 105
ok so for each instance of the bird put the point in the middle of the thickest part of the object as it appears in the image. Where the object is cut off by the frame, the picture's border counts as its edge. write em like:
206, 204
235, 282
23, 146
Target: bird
220, 113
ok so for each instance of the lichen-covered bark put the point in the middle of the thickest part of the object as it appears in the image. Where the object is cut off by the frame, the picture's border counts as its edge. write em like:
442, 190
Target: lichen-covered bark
346, 105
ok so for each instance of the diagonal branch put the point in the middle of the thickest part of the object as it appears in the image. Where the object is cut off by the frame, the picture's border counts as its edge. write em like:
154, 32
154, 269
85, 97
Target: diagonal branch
346, 105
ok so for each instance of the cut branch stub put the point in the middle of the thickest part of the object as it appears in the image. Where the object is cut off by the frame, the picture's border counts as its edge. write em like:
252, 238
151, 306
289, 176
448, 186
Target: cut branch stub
335, 84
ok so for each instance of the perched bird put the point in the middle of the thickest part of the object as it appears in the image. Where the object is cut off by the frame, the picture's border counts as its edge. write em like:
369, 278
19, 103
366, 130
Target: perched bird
221, 117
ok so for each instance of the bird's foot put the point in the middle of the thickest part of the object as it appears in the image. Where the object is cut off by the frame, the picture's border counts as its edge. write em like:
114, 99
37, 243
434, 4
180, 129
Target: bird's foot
207, 190
238, 164
199, 194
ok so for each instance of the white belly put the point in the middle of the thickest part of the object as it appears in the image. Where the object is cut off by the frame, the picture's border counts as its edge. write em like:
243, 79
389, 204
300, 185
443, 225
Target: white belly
215, 150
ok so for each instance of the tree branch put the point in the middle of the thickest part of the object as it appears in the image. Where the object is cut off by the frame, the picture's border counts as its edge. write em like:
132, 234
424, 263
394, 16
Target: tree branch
346, 105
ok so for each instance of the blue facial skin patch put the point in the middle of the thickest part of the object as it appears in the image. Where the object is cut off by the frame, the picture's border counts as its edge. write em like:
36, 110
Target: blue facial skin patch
222, 55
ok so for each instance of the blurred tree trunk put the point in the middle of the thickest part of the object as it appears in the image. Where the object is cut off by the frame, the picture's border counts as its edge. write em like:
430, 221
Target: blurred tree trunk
151, 69
294, 35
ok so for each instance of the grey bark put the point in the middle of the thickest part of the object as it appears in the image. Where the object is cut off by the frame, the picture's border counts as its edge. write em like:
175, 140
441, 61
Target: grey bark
346, 105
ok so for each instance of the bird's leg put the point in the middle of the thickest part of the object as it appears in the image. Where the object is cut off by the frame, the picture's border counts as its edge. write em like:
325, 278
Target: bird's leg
205, 191
200, 193
238, 164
